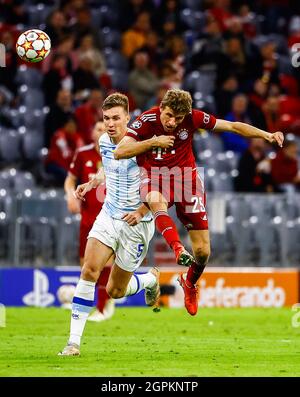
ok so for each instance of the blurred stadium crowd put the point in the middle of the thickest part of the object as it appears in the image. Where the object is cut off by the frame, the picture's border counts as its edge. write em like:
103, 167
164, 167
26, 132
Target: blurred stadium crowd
235, 57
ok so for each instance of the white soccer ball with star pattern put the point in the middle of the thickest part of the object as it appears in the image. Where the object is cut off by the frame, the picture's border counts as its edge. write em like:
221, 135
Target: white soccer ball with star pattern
33, 45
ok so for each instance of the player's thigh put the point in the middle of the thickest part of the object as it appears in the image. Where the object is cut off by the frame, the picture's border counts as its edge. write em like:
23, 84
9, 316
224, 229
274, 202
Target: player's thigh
133, 245
96, 256
200, 242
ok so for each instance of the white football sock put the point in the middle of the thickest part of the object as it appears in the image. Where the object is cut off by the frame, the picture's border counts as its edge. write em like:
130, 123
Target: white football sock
83, 302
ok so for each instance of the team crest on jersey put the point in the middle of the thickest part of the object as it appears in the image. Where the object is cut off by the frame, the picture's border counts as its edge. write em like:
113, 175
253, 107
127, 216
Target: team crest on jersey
136, 124
183, 134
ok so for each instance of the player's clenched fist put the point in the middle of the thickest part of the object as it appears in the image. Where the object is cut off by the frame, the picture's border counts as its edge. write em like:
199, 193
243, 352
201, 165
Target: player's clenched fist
277, 137
164, 141
82, 190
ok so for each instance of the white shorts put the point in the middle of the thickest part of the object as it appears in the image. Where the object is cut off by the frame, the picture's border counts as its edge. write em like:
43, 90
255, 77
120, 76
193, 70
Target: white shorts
130, 243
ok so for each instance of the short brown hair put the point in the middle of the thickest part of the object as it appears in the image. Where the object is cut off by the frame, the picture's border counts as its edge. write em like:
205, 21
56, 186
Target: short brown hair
116, 99
178, 100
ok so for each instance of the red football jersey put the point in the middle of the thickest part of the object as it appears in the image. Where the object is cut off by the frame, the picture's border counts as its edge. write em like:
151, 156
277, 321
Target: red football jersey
84, 166
181, 155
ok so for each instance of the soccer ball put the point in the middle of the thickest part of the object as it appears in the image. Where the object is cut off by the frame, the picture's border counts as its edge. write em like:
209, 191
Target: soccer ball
65, 294
33, 45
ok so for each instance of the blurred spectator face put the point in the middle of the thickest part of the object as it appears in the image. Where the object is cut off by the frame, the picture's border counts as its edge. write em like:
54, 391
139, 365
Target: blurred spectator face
141, 60
70, 126
239, 104
66, 45
97, 131
233, 46
171, 5
268, 50
59, 63
291, 150
231, 84
96, 99
257, 145
212, 27
57, 20
260, 87
87, 42
272, 105
136, 3
169, 27
84, 17
64, 99
224, 4
143, 22
244, 10
7, 39
177, 46
152, 40
234, 25
274, 90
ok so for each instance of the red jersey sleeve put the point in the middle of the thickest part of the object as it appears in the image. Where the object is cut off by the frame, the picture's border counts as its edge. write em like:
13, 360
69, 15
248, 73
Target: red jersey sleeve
75, 166
203, 120
138, 130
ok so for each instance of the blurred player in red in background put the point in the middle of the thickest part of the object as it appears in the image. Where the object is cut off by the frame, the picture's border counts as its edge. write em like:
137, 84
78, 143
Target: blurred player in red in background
169, 176
84, 167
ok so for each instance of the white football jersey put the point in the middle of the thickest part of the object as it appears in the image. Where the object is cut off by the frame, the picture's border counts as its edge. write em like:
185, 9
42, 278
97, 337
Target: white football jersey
122, 182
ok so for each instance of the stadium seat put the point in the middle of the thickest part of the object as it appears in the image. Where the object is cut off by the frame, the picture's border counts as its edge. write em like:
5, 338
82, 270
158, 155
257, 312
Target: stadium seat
110, 38
10, 146
200, 81
115, 60
109, 15
38, 232
34, 99
119, 79
32, 143
5, 180
96, 15
6, 223
191, 4
34, 120
38, 14
23, 181
222, 182
192, 19
29, 76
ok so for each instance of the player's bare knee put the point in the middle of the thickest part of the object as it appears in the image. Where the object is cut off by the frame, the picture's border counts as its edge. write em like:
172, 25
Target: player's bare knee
90, 272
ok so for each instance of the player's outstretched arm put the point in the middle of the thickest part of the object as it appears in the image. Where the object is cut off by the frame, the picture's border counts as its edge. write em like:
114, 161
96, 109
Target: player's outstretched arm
249, 131
129, 147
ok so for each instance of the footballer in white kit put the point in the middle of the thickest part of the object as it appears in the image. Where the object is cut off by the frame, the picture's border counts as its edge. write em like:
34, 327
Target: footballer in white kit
122, 231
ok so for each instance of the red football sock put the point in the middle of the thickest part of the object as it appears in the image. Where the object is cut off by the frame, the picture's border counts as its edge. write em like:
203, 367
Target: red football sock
194, 273
166, 226
102, 295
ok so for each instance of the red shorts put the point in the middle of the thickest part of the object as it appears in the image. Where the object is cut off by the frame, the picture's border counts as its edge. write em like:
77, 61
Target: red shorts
83, 233
185, 192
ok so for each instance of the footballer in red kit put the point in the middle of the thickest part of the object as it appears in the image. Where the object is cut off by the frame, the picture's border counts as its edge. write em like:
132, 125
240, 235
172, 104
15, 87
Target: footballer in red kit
161, 139
84, 166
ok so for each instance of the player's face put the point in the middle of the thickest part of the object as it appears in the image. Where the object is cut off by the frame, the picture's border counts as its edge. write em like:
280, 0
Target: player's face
169, 119
116, 120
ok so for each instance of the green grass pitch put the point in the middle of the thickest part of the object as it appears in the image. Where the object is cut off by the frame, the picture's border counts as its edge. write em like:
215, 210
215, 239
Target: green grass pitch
138, 342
